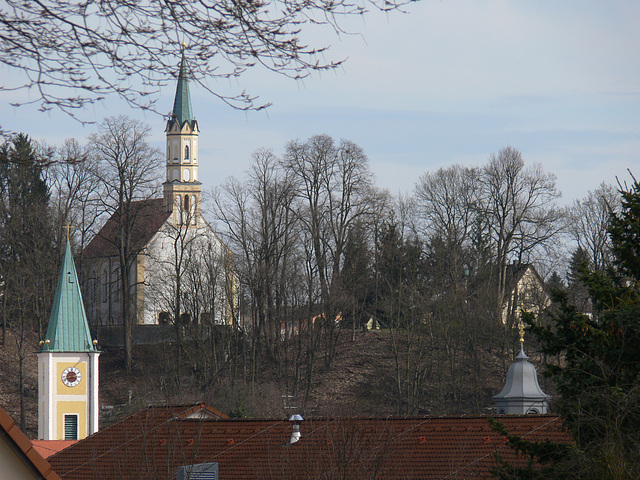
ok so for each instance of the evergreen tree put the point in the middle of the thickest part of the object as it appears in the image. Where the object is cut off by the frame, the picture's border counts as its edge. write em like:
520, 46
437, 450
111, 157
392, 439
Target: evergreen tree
598, 377
556, 281
357, 277
28, 262
625, 233
577, 291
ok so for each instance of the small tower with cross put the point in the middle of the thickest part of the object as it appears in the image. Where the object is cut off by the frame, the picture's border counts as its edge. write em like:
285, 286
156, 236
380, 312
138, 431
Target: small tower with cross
521, 394
67, 364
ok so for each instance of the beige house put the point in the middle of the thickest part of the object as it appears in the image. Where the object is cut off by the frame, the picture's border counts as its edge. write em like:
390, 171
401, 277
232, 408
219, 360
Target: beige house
525, 290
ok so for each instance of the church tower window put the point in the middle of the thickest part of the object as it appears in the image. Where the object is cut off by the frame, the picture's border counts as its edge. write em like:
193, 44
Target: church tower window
187, 174
105, 284
115, 274
186, 152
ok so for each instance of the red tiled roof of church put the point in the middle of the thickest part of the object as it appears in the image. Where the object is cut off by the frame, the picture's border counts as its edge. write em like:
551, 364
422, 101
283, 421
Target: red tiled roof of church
46, 448
151, 215
156, 441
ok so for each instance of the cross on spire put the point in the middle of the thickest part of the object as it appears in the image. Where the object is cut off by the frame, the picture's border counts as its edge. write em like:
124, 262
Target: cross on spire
68, 227
521, 330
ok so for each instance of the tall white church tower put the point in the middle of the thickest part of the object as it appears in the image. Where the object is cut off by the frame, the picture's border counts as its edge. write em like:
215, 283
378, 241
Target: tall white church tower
67, 365
182, 188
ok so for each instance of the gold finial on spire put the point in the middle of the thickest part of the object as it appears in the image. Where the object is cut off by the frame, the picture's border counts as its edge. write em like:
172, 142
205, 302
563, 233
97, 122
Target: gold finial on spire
184, 45
68, 227
521, 330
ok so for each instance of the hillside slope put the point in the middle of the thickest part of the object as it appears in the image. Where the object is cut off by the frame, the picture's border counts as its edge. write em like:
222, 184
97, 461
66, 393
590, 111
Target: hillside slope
360, 382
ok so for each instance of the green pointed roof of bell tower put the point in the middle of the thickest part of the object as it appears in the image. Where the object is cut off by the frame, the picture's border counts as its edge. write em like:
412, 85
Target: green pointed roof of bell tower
182, 111
68, 330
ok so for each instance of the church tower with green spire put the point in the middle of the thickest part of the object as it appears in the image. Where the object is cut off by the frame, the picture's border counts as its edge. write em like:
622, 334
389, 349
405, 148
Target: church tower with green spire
182, 188
67, 365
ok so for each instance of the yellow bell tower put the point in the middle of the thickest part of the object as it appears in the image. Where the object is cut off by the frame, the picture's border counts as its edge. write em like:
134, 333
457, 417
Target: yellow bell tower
182, 188
67, 365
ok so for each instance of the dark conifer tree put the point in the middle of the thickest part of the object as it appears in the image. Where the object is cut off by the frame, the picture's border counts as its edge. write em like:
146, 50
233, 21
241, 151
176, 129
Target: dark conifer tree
28, 262
598, 377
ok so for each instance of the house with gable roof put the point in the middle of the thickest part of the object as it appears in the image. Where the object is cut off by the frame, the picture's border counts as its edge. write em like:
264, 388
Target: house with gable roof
525, 290
170, 235
18, 457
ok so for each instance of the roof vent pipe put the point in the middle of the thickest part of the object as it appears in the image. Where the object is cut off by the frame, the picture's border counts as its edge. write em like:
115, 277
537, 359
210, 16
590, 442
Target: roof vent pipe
295, 435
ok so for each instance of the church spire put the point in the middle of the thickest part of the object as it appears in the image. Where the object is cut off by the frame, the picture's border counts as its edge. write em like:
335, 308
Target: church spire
182, 111
67, 365
182, 188
68, 330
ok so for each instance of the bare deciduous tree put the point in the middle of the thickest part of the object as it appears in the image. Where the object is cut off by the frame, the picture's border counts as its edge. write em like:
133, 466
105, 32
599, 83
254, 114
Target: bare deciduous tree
259, 224
333, 185
128, 170
447, 200
518, 204
73, 53
75, 191
589, 223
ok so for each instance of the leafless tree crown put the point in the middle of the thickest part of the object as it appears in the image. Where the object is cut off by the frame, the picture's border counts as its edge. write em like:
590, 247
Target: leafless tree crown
76, 52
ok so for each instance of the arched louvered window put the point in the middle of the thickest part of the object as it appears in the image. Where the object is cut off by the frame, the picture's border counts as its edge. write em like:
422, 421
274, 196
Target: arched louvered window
179, 207
104, 280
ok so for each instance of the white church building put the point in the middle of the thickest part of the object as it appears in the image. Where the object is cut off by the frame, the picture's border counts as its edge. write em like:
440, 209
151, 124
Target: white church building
182, 270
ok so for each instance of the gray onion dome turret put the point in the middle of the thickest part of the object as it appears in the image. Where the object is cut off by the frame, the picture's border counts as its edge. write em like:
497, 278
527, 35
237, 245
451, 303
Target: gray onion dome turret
521, 394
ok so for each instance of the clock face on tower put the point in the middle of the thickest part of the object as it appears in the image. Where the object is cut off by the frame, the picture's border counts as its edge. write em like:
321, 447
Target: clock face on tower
71, 376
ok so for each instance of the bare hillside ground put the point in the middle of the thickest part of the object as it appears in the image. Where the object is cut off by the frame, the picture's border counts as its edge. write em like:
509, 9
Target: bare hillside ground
360, 382
10, 380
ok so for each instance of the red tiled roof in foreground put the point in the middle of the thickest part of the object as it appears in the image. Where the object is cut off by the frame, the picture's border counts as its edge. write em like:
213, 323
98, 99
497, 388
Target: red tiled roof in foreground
149, 216
24, 448
46, 448
154, 442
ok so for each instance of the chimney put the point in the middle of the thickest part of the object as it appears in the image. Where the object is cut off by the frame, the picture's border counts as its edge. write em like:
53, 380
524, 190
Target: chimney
295, 435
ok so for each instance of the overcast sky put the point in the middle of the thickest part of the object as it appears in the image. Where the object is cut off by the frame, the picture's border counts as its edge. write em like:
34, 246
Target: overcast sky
450, 82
